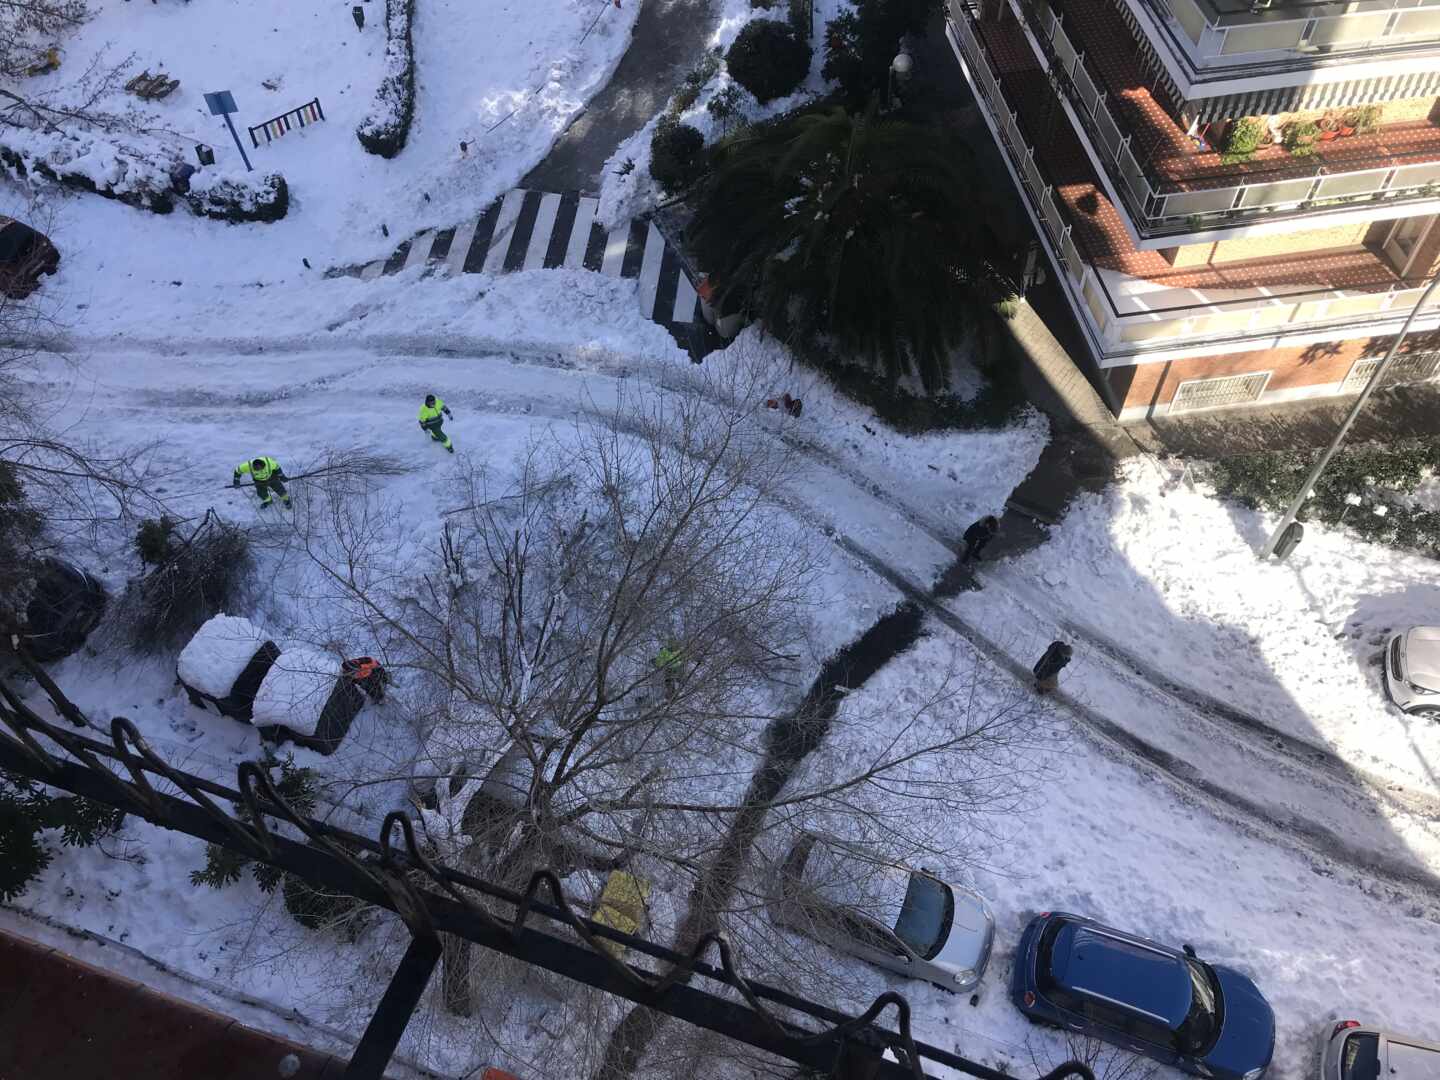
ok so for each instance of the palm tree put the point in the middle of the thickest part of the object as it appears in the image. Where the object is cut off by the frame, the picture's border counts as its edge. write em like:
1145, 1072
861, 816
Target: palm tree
857, 239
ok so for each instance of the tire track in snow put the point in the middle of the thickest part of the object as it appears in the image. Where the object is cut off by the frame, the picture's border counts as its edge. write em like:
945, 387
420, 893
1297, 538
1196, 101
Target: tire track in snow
1321, 844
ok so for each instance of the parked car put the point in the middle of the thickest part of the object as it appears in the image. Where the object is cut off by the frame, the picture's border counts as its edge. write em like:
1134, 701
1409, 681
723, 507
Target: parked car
1167, 1004
302, 695
1412, 670
25, 254
907, 921
65, 606
1351, 1051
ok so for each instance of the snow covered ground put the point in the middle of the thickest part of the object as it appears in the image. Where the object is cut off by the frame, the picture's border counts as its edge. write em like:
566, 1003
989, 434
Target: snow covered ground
504, 77
216, 343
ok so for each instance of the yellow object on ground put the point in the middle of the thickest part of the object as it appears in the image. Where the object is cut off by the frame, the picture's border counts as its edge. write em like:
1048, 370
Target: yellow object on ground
622, 907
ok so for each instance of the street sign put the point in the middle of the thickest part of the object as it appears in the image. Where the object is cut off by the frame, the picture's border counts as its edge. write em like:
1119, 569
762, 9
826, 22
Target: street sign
221, 103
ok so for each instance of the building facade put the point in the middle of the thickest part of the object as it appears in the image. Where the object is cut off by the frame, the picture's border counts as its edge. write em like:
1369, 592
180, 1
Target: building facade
1240, 196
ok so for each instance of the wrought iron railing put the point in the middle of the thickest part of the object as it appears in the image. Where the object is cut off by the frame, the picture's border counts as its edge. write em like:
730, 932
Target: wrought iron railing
1373, 24
538, 926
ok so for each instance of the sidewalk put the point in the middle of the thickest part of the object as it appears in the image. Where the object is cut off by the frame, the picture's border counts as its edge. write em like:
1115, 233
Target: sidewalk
668, 41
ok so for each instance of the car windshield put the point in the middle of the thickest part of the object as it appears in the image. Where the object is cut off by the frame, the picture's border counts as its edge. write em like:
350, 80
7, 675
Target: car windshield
1360, 1059
1202, 1023
926, 915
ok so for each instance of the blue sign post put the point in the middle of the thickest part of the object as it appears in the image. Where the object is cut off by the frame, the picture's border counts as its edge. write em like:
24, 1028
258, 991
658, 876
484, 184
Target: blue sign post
222, 103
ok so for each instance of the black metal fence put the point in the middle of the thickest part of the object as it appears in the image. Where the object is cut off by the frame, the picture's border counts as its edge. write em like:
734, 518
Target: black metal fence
542, 928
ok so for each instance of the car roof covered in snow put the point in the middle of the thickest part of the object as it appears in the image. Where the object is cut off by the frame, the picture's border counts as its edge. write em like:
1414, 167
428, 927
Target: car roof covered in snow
296, 689
218, 653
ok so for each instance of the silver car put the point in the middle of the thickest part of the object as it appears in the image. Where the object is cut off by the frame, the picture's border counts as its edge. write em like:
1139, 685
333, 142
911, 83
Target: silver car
907, 921
1412, 670
1351, 1051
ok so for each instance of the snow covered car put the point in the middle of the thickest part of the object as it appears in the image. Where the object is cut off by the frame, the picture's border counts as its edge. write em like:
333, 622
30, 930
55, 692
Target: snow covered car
1351, 1051
65, 606
1165, 1003
1412, 670
304, 695
906, 921
25, 254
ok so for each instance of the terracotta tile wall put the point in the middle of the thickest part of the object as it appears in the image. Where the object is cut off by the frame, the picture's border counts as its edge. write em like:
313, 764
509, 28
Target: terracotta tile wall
1310, 365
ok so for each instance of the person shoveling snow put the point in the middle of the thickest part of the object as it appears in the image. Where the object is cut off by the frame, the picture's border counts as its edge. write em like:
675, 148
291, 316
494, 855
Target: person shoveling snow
267, 474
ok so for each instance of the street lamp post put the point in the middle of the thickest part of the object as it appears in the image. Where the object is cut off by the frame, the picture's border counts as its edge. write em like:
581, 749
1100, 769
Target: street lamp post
900, 69
1375, 377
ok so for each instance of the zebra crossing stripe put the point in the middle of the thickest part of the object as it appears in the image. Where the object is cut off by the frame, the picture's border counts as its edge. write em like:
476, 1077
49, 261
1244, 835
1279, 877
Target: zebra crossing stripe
650, 269
460, 247
684, 310
504, 227
419, 250
540, 235
373, 271
580, 233
615, 245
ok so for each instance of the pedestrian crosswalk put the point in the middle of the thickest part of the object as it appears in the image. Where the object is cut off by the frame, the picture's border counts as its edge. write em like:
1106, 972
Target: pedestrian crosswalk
536, 230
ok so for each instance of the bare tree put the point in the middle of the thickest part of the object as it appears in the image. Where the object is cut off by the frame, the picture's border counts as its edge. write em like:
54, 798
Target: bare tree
29, 27
606, 649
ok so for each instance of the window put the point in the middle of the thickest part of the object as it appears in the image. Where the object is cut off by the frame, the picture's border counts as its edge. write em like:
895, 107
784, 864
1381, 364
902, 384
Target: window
1202, 1023
925, 915
1215, 393
1360, 1058
870, 935
1151, 1032
1104, 1012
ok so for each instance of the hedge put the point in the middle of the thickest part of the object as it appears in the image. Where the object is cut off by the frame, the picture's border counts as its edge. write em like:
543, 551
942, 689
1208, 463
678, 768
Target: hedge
154, 187
769, 59
387, 126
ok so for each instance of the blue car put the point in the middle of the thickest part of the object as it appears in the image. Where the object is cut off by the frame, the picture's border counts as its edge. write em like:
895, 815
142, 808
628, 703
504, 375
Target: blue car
1166, 1004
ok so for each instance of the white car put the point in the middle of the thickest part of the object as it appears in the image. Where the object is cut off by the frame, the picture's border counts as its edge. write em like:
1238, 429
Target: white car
1412, 670
907, 921
1352, 1051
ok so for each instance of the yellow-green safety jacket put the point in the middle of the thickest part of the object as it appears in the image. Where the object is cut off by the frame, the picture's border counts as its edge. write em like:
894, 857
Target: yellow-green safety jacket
259, 475
429, 415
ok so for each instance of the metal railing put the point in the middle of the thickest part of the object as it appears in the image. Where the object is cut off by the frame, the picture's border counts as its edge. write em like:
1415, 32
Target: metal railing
1375, 23
539, 926
1159, 212
1142, 320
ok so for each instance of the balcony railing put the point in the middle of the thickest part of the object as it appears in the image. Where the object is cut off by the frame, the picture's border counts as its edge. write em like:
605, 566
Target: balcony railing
1129, 322
1373, 24
1157, 212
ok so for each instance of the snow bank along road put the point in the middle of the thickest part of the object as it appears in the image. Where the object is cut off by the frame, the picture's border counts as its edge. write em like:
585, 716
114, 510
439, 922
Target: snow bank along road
1291, 791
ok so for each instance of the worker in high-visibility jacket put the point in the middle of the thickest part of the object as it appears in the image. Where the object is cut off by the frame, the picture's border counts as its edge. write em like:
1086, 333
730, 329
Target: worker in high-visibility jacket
430, 420
268, 476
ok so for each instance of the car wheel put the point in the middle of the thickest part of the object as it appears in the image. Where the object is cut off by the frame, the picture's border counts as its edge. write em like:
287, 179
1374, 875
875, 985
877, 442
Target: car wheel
1431, 711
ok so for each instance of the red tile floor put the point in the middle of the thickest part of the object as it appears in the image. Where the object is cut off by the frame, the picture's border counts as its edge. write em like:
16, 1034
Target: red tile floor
1098, 231
1111, 52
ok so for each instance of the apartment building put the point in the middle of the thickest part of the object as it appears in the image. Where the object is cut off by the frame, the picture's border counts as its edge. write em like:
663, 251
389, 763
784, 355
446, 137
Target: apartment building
1240, 196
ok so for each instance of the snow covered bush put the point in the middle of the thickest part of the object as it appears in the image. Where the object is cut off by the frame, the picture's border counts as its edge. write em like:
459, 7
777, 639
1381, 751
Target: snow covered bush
29, 27
20, 527
769, 59
387, 125
677, 156
88, 162
1382, 475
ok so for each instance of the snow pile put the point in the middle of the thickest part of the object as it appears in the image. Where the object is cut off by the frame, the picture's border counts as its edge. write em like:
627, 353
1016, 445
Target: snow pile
295, 691
218, 653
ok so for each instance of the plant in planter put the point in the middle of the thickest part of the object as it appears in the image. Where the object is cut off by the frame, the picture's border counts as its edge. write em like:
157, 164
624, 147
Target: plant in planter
1329, 127
1367, 119
1349, 119
1299, 137
1242, 139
